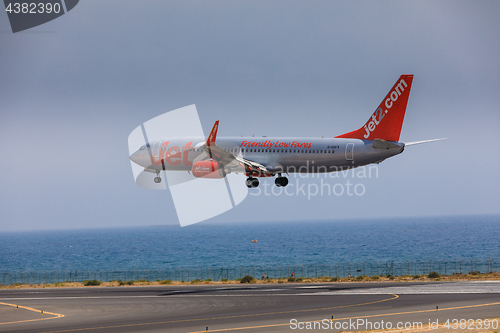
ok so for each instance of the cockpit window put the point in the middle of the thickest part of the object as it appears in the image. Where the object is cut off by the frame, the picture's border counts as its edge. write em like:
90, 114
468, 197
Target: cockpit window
142, 148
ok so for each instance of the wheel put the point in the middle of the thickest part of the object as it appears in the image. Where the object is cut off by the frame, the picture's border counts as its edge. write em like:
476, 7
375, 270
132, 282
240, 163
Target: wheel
157, 180
252, 182
284, 181
281, 181
249, 181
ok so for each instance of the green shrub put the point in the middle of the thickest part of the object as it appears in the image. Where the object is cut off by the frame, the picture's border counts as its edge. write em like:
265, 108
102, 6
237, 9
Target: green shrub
208, 280
223, 280
416, 276
142, 280
247, 279
334, 279
195, 281
375, 277
300, 279
166, 282
390, 277
291, 279
361, 277
91, 283
130, 282
433, 275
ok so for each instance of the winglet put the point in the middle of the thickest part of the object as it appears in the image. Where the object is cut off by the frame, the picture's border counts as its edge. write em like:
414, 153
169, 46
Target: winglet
213, 134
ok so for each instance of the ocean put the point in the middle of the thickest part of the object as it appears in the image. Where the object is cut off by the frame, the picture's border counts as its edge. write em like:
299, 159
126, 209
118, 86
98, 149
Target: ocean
398, 240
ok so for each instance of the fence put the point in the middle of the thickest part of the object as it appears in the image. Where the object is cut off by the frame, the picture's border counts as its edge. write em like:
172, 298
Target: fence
399, 268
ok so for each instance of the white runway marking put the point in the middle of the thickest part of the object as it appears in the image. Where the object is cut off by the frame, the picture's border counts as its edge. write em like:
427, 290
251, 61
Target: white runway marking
466, 287
484, 287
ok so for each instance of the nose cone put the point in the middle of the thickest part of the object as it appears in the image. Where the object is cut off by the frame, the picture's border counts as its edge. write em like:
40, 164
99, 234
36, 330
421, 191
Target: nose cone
139, 157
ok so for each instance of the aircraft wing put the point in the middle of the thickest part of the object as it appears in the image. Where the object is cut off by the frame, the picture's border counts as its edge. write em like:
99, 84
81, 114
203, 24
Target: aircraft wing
228, 159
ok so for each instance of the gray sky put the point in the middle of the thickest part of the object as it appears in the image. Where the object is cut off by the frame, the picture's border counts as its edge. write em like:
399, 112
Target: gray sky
73, 89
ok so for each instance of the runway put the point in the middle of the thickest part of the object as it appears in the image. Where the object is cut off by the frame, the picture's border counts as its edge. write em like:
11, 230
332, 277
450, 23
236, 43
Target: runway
245, 308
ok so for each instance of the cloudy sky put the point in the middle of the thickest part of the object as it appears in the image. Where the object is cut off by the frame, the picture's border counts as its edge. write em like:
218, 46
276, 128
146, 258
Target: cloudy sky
73, 89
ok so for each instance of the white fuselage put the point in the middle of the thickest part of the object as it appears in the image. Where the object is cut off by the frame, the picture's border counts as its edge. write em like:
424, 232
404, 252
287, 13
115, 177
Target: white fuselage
278, 154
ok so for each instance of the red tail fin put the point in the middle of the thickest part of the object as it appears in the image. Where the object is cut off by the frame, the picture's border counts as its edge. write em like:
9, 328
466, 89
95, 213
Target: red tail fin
387, 120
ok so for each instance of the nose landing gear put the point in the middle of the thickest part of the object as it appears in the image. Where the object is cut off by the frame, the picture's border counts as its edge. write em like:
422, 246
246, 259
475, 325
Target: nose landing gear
157, 179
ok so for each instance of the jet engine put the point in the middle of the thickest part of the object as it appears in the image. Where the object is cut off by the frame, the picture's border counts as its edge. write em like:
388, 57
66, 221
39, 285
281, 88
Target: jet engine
208, 169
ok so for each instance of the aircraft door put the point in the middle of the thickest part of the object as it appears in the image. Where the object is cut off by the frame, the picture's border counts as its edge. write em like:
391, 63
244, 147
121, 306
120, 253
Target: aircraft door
156, 150
349, 151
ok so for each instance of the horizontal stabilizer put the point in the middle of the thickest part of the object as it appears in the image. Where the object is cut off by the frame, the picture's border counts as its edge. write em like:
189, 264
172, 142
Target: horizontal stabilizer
425, 141
384, 144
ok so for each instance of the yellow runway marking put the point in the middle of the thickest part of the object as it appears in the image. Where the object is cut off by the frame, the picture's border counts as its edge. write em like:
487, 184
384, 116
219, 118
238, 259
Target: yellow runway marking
215, 318
347, 318
56, 315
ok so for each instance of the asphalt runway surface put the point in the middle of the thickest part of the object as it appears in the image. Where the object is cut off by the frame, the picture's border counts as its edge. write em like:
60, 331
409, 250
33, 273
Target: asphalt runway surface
246, 308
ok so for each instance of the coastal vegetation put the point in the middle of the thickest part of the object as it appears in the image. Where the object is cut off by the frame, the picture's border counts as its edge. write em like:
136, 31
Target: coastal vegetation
432, 276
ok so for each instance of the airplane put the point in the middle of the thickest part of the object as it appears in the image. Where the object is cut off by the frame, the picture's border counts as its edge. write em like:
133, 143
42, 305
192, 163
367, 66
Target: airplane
214, 158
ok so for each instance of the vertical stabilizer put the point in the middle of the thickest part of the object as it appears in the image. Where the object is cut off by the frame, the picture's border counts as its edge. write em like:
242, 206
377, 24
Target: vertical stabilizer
387, 120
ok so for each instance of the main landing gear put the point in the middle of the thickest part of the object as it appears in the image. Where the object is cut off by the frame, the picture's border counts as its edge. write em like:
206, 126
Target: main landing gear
281, 181
252, 182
